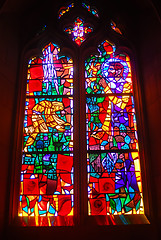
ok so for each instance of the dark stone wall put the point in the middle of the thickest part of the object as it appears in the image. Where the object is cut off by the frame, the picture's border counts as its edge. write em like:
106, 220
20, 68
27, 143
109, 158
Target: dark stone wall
9, 52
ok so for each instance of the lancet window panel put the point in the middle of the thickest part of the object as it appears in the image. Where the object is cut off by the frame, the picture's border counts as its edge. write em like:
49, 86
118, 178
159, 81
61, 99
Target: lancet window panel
113, 162
47, 173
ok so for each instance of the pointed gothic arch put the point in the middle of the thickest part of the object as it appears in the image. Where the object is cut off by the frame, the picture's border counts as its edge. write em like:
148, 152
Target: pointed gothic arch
81, 204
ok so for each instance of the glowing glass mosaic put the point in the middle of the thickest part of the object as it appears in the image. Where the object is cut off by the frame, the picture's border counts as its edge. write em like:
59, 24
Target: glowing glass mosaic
90, 9
79, 31
47, 157
113, 163
64, 10
115, 28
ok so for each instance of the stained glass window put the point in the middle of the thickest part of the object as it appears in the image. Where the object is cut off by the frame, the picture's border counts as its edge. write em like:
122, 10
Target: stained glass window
113, 165
47, 156
113, 160
90, 9
79, 31
115, 28
65, 9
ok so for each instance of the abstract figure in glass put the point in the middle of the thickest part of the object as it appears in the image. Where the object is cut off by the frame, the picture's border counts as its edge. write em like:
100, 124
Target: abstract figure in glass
46, 187
114, 179
51, 119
